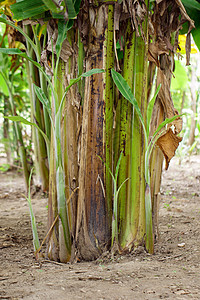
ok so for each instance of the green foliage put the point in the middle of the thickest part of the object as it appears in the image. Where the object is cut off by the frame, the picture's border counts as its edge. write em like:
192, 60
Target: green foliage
26, 9
193, 10
4, 167
3, 86
192, 4
125, 90
115, 198
5, 21
26, 122
180, 81
43, 99
51, 5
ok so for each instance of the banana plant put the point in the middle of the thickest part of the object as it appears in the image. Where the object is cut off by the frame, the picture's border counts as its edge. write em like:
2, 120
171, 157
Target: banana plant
56, 128
125, 90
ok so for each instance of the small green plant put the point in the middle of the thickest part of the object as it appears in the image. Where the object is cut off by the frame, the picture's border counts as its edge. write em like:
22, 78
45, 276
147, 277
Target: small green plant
115, 199
166, 205
4, 167
167, 193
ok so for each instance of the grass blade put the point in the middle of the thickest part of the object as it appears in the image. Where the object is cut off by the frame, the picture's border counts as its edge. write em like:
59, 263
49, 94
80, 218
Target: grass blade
43, 98
26, 122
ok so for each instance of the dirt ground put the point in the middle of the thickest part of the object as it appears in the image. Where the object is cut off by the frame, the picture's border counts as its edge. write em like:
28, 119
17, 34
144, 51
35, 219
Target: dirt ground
172, 273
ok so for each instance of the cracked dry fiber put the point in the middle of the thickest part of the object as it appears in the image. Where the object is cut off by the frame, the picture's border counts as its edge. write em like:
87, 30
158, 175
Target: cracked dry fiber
168, 142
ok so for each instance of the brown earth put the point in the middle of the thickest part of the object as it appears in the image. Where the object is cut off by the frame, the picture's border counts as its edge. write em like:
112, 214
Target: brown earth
172, 273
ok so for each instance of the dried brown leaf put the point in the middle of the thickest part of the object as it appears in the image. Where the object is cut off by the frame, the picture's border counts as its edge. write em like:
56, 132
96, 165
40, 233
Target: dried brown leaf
168, 143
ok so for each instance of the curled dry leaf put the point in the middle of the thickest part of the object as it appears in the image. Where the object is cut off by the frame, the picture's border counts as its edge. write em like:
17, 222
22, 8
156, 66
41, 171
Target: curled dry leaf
168, 143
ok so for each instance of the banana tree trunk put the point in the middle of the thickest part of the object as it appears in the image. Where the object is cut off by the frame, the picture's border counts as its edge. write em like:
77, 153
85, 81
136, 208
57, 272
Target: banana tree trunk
70, 135
93, 232
132, 195
124, 117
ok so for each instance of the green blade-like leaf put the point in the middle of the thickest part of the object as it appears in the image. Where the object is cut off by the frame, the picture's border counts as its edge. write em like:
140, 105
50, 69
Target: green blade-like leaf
11, 51
107, 166
126, 92
14, 51
92, 72
70, 9
26, 122
193, 7
121, 185
51, 6
86, 74
150, 108
118, 165
26, 9
73, 81
191, 4
43, 99
62, 34
2, 20
77, 4
3, 86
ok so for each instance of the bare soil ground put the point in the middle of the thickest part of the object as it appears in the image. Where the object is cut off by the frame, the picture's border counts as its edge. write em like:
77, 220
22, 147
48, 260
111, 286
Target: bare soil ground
172, 273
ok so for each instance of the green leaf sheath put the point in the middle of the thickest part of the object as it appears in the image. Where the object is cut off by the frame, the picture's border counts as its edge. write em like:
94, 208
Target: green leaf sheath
51, 5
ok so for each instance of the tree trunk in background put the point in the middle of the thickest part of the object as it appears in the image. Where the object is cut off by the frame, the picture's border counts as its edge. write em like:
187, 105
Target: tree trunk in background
183, 101
6, 131
193, 93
